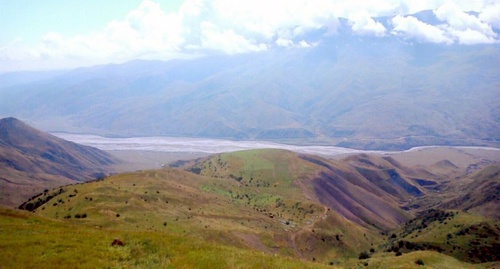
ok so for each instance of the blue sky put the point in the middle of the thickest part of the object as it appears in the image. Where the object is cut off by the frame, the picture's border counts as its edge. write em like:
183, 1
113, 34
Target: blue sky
52, 34
29, 20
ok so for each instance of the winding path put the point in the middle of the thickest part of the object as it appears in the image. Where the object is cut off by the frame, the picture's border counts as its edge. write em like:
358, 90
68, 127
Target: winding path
309, 226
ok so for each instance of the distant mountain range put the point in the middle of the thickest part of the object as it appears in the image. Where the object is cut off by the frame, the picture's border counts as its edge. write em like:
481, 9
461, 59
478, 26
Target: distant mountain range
348, 90
31, 161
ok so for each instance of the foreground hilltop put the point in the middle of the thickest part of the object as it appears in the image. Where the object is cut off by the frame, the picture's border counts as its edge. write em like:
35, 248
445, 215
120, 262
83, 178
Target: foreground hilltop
31, 161
277, 203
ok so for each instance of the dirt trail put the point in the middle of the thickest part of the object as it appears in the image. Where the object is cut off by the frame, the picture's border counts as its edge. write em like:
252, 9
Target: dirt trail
217, 167
309, 226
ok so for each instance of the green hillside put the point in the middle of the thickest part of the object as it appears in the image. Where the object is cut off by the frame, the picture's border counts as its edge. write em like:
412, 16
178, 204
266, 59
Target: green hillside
258, 205
464, 236
29, 241
228, 210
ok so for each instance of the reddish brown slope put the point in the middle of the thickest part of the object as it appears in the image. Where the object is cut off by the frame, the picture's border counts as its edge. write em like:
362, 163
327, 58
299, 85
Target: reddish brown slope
357, 196
31, 160
478, 193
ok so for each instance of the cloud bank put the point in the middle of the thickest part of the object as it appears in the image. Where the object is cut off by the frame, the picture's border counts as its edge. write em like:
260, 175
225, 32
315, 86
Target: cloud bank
200, 27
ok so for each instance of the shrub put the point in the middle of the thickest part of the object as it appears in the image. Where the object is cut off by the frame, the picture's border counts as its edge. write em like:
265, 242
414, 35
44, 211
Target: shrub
419, 262
364, 255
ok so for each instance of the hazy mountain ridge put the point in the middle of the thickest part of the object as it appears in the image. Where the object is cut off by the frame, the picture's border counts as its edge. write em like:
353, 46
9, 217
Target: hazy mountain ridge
348, 90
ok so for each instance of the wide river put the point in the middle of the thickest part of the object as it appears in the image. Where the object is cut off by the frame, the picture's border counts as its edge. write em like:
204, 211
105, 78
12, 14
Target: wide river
182, 144
203, 145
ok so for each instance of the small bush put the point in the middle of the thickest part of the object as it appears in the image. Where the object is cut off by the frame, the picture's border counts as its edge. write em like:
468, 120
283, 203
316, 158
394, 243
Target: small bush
419, 262
364, 255
399, 253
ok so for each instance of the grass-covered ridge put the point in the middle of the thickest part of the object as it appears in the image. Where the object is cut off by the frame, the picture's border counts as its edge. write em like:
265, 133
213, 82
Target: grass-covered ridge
28, 241
249, 209
464, 236
265, 210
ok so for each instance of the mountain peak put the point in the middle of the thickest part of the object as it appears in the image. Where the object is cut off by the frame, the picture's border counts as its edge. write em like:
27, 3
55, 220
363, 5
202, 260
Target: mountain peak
9, 121
15, 132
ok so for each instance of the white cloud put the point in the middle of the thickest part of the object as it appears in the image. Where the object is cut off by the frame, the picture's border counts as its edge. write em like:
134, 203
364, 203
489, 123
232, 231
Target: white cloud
274, 19
305, 44
491, 15
228, 26
363, 24
471, 37
411, 27
459, 20
282, 42
225, 40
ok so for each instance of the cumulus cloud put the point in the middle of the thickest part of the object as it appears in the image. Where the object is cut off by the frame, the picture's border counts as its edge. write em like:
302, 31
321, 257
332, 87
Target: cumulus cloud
491, 15
410, 27
283, 42
287, 43
471, 37
363, 24
231, 27
225, 40
459, 20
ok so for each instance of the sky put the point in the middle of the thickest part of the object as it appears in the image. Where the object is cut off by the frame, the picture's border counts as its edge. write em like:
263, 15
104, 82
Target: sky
54, 34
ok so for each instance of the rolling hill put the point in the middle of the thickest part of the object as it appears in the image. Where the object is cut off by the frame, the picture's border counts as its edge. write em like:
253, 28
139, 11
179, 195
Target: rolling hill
262, 203
31, 161
269, 213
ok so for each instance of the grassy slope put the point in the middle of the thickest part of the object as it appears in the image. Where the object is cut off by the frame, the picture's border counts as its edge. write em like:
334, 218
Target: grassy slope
265, 210
245, 209
28, 241
430, 259
277, 183
462, 235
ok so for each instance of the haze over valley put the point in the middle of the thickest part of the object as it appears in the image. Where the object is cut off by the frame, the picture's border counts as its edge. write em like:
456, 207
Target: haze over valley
238, 134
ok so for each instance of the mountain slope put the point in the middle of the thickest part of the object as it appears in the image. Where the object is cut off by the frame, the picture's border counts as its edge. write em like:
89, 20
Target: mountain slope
461, 235
354, 92
366, 196
275, 202
31, 241
335, 184
478, 193
474, 191
219, 210
31, 161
